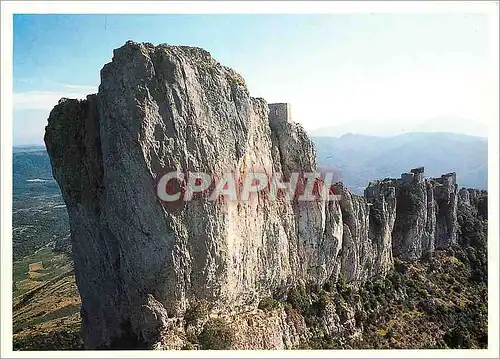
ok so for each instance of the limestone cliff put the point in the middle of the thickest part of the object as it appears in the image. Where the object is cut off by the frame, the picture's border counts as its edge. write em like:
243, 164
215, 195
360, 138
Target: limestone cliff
426, 212
140, 262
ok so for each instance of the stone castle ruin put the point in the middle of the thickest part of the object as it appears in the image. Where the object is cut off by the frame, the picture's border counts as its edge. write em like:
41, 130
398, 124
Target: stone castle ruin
414, 175
389, 185
279, 113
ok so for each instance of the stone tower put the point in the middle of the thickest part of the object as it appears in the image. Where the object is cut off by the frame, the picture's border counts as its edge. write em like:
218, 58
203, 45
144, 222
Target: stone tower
279, 112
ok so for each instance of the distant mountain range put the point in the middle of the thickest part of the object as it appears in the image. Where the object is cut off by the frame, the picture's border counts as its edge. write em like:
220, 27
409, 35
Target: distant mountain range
358, 159
395, 128
29, 163
32, 175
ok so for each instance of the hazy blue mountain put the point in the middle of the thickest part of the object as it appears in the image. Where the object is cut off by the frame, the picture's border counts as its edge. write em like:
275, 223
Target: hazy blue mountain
31, 162
358, 159
396, 128
31, 172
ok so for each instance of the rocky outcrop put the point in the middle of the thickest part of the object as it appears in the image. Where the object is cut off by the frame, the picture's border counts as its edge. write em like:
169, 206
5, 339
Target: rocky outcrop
366, 240
140, 262
473, 201
168, 108
426, 212
446, 197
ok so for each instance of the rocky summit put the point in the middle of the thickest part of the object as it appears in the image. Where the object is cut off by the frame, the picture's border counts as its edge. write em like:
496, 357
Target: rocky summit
143, 266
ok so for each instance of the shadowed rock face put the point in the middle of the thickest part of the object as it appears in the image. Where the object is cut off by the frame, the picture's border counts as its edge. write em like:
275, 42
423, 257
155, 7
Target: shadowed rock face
140, 262
475, 201
426, 213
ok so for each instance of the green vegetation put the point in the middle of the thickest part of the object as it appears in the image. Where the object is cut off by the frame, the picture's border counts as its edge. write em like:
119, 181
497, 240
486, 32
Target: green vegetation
55, 340
437, 302
54, 265
36, 222
268, 303
39, 216
434, 303
59, 313
46, 304
216, 335
427, 306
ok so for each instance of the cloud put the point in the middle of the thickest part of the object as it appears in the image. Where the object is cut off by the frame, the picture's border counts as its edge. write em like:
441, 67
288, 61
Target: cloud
29, 126
32, 108
46, 100
86, 88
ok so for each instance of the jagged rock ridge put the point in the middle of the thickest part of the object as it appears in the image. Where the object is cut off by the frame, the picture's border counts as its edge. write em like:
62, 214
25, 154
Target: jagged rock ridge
426, 212
140, 262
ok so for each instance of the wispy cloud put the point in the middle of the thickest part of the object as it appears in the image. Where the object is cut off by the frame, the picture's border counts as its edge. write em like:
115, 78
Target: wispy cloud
44, 100
87, 88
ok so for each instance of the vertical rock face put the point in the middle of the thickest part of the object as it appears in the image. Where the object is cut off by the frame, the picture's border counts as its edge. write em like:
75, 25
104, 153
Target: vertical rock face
366, 241
414, 229
141, 261
473, 200
446, 197
426, 212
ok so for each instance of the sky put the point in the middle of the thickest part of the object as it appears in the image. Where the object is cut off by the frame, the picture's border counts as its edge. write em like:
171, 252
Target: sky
379, 74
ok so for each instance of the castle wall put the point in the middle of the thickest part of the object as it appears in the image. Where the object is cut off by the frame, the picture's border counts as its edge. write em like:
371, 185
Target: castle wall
279, 113
417, 170
407, 177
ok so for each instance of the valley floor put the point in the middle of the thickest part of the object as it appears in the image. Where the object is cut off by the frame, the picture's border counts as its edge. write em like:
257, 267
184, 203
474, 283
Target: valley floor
46, 303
